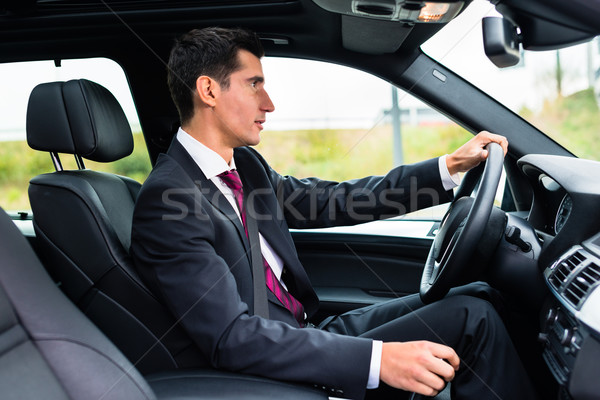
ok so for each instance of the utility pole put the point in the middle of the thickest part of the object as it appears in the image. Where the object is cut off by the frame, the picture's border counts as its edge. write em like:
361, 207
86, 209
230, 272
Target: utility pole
558, 75
590, 63
395, 114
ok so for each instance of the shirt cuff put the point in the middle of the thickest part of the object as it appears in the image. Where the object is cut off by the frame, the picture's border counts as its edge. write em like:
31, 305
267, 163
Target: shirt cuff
375, 368
449, 182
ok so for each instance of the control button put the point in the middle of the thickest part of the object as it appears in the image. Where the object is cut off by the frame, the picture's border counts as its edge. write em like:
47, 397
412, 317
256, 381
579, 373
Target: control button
513, 236
575, 344
566, 337
551, 317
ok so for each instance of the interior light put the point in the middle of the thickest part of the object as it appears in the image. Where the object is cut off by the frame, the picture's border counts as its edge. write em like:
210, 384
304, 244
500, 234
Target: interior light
439, 12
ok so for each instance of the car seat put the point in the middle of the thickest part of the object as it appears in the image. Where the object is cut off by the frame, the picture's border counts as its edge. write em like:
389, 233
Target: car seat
82, 221
49, 350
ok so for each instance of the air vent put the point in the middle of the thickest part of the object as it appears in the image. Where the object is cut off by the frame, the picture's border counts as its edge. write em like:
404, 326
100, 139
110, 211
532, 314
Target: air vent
582, 284
561, 273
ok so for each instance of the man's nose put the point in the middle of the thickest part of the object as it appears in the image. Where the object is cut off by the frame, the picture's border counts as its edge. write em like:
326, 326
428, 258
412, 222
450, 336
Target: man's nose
266, 104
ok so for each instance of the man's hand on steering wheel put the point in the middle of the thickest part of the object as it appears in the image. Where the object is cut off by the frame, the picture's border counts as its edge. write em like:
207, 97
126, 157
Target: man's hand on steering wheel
470, 154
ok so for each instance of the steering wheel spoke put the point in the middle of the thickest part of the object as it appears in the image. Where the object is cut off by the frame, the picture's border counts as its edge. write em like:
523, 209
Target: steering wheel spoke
449, 247
435, 272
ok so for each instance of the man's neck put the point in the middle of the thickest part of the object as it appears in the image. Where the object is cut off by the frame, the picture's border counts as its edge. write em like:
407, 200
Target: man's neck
211, 141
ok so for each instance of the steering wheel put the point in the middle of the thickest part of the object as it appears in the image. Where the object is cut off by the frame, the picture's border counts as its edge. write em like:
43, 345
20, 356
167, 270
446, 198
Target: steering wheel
461, 229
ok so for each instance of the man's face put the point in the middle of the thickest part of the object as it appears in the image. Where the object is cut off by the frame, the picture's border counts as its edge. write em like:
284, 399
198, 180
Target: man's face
241, 109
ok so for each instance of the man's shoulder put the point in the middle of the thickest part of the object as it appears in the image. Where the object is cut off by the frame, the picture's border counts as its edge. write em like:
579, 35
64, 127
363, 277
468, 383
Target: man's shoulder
167, 172
164, 169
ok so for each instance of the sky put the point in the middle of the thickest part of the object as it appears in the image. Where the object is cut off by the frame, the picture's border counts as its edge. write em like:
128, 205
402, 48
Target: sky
17, 80
310, 94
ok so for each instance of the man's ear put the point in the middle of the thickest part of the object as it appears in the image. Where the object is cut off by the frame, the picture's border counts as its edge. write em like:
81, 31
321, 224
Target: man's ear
207, 89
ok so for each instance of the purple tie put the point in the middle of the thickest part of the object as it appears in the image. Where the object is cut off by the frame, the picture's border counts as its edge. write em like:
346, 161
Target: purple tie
232, 179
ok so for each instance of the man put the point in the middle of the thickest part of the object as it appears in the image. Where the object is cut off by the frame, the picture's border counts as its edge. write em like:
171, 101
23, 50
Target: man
192, 233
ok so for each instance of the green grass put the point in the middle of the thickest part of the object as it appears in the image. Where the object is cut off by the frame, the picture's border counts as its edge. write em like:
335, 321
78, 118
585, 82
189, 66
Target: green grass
19, 163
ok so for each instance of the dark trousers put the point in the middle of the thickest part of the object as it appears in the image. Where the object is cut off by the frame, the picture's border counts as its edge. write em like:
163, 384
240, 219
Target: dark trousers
490, 366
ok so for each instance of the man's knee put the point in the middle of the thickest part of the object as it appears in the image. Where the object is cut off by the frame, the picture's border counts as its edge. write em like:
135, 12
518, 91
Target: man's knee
472, 309
483, 291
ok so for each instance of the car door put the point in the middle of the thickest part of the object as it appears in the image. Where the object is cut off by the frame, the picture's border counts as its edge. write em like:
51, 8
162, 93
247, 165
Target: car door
357, 266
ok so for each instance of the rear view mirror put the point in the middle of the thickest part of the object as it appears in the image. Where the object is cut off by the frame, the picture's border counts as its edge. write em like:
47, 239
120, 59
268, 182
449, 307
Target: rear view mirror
501, 41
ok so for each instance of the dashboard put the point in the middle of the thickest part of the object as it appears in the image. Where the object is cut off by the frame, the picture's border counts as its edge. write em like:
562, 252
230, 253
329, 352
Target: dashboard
566, 216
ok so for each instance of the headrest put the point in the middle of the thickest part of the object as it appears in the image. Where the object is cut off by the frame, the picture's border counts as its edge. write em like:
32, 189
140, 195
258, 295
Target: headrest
78, 117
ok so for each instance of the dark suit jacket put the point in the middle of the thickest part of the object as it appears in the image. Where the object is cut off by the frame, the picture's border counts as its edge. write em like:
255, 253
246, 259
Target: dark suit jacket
191, 249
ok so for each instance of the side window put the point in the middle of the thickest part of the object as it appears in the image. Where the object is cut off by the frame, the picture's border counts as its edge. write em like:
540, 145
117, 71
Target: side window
339, 123
18, 162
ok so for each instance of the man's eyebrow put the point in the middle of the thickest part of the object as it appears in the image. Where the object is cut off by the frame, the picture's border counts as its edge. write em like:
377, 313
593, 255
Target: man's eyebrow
256, 78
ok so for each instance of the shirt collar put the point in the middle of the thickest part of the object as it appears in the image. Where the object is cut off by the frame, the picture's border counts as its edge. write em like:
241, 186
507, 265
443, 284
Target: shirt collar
210, 163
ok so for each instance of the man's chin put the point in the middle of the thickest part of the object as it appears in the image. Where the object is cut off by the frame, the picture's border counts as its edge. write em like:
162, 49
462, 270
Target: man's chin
253, 142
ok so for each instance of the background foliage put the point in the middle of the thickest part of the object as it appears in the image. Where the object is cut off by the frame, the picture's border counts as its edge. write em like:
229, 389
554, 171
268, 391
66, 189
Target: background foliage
327, 153
573, 121
19, 163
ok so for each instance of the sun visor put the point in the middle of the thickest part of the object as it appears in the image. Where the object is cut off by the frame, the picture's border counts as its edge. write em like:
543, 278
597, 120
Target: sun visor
372, 36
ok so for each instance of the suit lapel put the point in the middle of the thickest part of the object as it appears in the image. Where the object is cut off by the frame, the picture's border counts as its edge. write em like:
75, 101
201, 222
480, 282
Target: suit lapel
208, 189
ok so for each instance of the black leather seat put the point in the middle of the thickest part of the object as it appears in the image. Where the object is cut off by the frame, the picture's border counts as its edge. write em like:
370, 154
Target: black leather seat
82, 221
49, 350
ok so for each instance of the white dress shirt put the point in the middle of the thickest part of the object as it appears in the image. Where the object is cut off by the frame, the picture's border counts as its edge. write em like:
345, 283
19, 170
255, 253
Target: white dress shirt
212, 164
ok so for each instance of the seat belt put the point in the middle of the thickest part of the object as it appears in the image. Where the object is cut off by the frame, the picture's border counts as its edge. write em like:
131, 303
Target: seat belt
261, 306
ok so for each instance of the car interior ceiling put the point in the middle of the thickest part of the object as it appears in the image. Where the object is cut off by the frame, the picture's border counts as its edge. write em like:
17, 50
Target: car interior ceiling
139, 34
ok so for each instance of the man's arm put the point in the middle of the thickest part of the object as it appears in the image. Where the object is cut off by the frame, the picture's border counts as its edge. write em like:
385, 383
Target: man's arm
317, 203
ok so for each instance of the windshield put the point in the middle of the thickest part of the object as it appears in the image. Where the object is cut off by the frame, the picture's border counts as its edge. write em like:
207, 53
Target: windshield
556, 91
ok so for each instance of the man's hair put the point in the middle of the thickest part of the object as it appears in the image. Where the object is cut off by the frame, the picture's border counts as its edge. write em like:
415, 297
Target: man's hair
210, 51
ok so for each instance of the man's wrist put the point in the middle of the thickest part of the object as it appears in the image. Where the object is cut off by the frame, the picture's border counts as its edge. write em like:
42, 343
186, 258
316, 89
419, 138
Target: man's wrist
449, 181
451, 165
